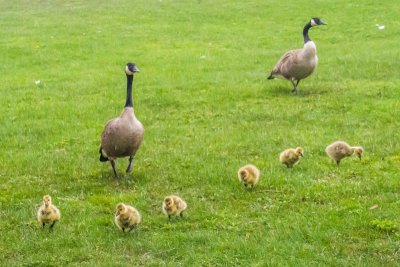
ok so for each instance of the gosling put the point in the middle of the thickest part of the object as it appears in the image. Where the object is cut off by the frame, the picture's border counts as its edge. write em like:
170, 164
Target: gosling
339, 150
249, 175
174, 206
126, 217
48, 213
291, 156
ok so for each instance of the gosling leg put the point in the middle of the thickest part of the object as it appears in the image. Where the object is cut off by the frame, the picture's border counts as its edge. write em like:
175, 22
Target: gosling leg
113, 166
51, 226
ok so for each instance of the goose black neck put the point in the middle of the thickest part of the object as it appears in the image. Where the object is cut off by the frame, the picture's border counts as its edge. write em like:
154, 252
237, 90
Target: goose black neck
305, 32
129, 82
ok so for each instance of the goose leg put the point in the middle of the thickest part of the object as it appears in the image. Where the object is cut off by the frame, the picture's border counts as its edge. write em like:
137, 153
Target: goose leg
130, 166
295, 90
113, 166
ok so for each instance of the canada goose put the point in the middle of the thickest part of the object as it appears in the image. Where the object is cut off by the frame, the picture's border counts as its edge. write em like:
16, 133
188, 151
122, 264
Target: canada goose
122, 136
126, 217
291, 156
48, 213
339, 150
298, 64
249, 175
173, 206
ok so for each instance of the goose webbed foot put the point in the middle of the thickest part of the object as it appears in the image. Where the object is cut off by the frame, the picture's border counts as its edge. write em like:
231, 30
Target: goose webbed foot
130, 166
113, 166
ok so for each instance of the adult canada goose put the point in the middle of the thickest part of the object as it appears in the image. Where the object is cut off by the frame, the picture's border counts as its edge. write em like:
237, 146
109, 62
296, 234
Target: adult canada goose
298, 64
122, 136
339, 150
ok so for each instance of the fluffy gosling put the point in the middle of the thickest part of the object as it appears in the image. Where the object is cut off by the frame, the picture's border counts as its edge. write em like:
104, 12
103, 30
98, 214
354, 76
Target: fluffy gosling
174, 206
339, 150
48, 213
291, 156
126, 217
249, 175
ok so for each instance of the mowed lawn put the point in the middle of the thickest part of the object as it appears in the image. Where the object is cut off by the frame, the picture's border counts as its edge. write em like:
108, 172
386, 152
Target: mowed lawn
207, 108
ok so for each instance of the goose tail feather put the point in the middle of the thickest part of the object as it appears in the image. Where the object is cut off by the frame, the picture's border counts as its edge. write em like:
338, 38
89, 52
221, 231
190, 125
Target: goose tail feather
271, 76
103, 157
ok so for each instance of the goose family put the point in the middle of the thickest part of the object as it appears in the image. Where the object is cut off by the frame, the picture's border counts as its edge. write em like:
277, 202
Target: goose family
122, 136
296, 65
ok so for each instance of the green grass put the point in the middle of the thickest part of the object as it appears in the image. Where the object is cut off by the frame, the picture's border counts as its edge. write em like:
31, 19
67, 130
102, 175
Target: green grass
208, 109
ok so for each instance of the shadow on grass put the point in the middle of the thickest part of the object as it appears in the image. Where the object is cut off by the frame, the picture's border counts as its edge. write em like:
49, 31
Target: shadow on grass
106, 177
286, 90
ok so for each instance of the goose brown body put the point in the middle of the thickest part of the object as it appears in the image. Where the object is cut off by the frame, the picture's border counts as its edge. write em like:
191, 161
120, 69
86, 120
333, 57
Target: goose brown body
122, 136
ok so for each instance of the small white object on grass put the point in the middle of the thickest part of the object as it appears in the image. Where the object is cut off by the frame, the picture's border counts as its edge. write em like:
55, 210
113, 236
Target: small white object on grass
380, 27
37, 82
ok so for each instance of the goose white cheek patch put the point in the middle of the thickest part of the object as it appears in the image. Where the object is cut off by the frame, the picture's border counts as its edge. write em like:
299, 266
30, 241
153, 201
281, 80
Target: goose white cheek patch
128, 71
313, 23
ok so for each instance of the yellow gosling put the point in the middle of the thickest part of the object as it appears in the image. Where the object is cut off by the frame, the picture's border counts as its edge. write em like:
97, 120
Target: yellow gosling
174, 206
48, 213
249, 175
126, 217
339, 150
291, 156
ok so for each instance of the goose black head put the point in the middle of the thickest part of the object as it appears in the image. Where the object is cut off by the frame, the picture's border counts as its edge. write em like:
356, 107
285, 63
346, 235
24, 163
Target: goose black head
317, 21
131, 68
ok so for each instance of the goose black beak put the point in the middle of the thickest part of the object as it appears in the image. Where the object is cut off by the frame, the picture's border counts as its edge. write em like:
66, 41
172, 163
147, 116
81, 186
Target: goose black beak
323, 23
136, 69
